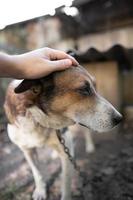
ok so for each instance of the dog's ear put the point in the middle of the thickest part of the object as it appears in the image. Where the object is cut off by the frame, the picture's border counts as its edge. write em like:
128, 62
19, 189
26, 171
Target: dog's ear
34, 85
72, 53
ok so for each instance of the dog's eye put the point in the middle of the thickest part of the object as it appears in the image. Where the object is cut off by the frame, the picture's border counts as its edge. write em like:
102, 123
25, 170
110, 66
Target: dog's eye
86, 90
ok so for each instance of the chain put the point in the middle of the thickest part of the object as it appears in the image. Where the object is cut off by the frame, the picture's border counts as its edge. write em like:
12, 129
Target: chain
82, 175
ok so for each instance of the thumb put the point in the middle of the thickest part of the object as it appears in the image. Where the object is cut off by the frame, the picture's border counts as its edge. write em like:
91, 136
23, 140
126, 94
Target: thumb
60, 64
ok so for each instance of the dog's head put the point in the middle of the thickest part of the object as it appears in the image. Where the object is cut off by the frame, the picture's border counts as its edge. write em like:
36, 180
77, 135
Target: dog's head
70, 96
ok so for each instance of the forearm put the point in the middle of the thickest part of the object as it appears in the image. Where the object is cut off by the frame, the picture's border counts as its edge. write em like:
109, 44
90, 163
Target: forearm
35, 64
8, 67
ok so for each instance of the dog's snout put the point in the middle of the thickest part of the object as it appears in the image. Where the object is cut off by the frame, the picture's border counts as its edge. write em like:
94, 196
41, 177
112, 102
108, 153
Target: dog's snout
116, 118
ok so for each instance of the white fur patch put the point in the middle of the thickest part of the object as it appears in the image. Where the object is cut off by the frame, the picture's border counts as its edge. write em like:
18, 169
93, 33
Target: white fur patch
27, 132
33, 129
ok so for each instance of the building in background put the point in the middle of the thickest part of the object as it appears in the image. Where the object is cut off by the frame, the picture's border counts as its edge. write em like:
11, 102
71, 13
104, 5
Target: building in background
93, 31
97, 23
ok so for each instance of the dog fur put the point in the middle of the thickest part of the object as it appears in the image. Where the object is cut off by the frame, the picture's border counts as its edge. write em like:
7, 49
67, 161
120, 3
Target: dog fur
37, 108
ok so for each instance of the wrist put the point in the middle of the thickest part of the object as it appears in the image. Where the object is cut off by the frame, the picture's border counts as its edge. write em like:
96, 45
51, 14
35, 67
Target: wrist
5, 65
16, 71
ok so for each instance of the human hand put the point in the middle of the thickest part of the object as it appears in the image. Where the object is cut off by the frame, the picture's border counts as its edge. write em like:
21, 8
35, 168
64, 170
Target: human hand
40, 63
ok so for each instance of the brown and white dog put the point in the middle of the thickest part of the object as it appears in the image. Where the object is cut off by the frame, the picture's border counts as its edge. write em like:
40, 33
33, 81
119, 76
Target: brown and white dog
37, 108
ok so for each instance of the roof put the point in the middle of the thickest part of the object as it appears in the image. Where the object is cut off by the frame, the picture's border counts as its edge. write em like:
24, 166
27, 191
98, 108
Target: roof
77, 3
123, 56
96, 16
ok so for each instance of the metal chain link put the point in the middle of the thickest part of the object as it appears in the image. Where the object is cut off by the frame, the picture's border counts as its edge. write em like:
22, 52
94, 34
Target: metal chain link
82, 175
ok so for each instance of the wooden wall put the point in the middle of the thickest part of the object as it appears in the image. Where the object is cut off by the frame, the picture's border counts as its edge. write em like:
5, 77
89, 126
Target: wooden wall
127, 81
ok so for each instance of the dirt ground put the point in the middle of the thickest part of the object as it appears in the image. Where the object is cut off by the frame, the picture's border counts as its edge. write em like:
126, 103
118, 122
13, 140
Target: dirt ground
109, 169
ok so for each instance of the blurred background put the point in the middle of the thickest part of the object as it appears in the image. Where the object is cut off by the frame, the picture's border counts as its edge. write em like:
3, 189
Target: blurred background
99, 34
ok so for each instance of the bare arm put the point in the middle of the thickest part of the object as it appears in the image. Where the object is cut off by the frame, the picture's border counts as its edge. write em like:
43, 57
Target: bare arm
7, 69
35, 64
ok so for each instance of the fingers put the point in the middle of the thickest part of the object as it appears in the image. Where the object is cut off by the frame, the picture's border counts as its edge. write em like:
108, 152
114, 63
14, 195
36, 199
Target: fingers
74, 62
60, 64
58, 55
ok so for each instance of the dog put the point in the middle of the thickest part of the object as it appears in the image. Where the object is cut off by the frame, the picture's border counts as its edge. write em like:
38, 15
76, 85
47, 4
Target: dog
36, 109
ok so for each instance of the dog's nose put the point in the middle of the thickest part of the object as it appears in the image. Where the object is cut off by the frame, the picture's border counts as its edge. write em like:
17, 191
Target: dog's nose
117, 118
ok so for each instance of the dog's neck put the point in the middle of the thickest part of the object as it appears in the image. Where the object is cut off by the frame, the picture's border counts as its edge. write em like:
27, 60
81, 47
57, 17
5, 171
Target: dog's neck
52, 121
